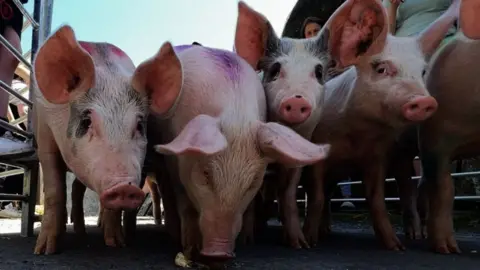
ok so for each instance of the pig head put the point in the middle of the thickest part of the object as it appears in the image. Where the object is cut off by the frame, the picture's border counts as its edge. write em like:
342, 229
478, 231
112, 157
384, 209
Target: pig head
388, 71
95, 118
294, 70
216, 107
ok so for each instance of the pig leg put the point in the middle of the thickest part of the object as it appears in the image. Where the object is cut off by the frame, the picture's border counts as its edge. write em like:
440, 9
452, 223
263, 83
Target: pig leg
316, 200
54, 220
247, 235
155, 193
326, 220
100, 214
190, 232
374, 181
129, 225
407, 190
422, 205
112, 228
439, 185
288, 204
77, 214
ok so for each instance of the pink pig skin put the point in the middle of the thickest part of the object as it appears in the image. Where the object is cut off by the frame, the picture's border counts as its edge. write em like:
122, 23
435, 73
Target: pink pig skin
88, 120
211, 128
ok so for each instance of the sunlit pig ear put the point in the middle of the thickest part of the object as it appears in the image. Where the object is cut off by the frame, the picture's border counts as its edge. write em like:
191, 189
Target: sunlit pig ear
160, 77
62, 67
469, 11
254, 35
283, 145
358, 28
201, 136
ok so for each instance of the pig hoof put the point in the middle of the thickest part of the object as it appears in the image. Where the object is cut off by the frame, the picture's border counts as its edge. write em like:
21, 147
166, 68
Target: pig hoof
424, 232
46, 244
447, 246
311, 236
298, 242
395, 244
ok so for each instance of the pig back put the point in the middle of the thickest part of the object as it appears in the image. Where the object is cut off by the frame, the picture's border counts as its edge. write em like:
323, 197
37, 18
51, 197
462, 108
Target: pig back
220, 84
453, 80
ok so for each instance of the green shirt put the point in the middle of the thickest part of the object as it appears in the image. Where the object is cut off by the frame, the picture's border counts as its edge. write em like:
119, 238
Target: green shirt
413, 16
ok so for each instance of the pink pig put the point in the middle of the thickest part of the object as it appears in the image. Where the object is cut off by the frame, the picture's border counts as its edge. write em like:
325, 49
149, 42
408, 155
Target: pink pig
210, 121
453, 132
89, 120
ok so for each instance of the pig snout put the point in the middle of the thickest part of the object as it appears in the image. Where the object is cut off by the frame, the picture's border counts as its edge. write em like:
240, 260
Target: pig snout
218, 249
295, 110
419, 108
123, 196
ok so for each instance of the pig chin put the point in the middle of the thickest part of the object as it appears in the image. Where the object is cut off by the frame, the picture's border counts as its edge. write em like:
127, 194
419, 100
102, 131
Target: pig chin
218, 235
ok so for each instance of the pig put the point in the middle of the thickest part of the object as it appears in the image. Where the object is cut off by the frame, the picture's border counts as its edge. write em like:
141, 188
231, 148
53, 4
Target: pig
452, 133
295, 71
293, 81
212, 126
369, 105
87, 119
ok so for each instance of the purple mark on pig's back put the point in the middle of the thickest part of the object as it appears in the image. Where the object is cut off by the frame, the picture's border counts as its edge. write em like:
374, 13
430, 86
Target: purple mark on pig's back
227, 61
181, 48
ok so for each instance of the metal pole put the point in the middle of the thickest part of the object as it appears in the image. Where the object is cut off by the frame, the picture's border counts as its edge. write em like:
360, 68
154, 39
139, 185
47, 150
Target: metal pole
35, 43
11, 128
14, 93
454, 175
12, 197
25, 13
12, 50
46, 20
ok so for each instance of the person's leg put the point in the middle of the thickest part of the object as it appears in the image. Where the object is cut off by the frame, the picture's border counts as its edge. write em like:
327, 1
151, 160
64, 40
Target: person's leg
11, 22
346, 193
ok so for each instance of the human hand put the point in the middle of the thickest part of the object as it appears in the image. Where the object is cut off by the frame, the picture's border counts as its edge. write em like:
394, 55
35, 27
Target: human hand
397, 2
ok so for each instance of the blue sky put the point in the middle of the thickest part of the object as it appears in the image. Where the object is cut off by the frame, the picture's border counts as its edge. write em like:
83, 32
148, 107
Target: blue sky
139, 27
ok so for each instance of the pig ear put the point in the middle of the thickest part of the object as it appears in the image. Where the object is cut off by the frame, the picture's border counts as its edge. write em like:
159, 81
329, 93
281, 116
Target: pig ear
430, 38
201, 136
254, 34
62, 67
161, 78
469, 11
285, 146
358, 28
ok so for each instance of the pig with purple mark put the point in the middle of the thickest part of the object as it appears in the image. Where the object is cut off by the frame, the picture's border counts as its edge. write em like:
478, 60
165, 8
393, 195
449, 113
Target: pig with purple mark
209, 120
88, 120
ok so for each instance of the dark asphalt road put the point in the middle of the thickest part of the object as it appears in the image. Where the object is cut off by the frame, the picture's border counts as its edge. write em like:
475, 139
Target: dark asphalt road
349, 247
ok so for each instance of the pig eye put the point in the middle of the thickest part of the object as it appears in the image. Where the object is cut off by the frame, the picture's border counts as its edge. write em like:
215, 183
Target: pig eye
140, 126
319, 73
85, 120
274, 71
381, 70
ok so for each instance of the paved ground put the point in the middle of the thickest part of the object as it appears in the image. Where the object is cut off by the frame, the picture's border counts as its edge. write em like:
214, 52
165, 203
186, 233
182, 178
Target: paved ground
349, 247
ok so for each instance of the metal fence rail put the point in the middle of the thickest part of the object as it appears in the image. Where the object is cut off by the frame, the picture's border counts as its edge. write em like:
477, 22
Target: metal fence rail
40, 22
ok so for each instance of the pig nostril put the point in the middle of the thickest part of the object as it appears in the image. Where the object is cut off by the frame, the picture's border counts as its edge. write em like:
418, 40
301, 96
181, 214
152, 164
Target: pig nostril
298, 96
129, 183
131, 196
112, 196
303, 109
288, 107
413, 106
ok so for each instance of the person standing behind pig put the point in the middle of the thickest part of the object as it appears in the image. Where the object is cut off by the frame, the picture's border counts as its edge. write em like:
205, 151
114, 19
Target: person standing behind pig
311, 26
410, 17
